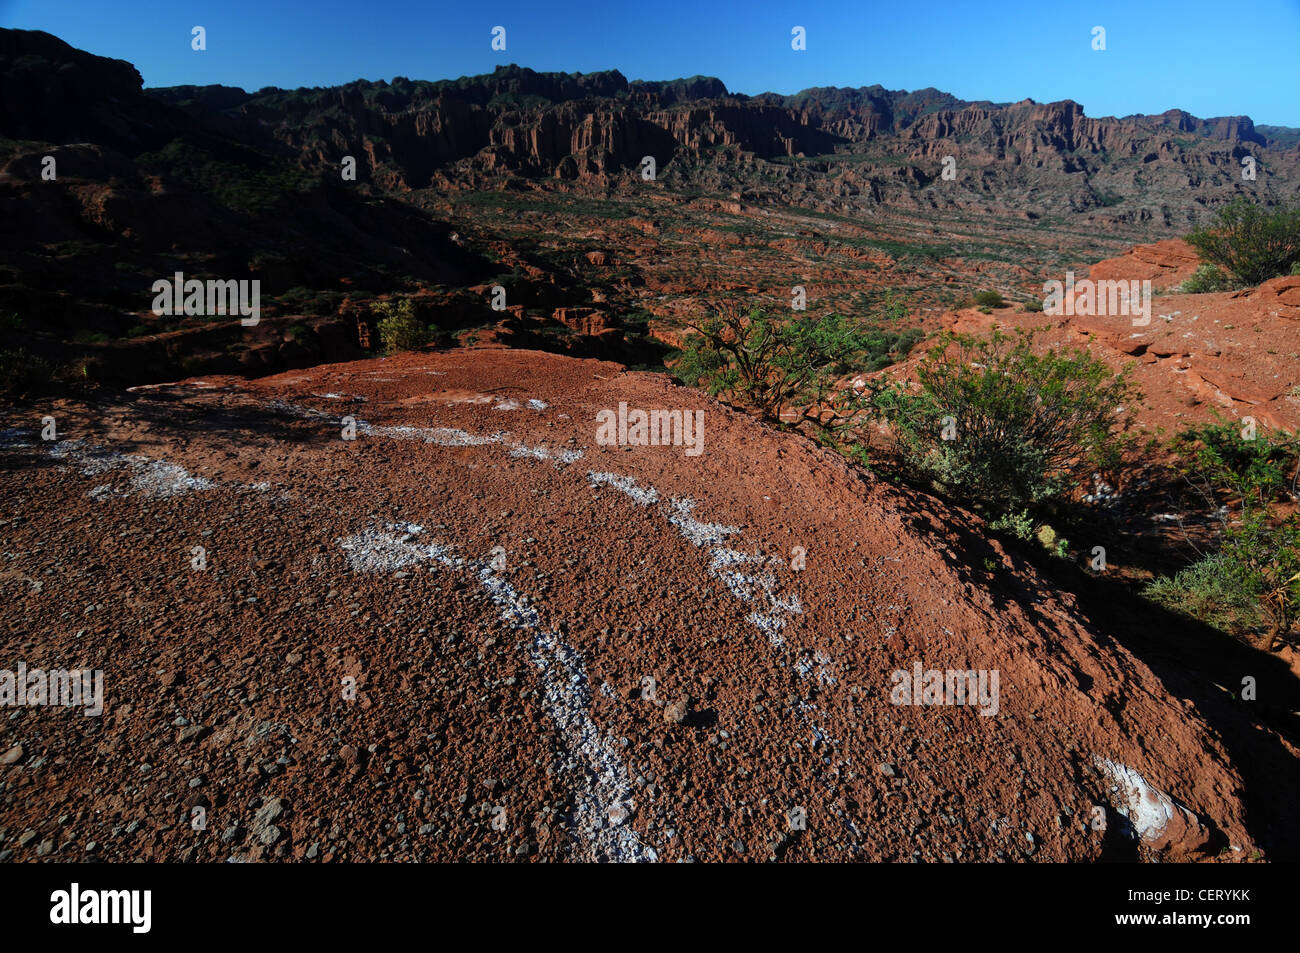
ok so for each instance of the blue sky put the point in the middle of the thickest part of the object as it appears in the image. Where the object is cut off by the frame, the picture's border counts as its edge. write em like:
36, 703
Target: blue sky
1211, 59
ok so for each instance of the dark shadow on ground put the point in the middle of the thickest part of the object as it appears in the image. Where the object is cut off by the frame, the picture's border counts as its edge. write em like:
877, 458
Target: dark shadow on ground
1193, 661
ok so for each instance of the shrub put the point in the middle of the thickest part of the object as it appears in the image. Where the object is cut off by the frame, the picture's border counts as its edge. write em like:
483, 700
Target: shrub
1000, 427
1034, 305
772, 363
989, 299
22, 372
1219, 459
1251, 242
1020, 525
1048, 539
1204, 279
399, 328
1255, 474
1266, 553
1213, 590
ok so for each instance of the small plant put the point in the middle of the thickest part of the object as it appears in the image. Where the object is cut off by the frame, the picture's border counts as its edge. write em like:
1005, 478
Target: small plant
1033, 305
989, 299
1205, 279
399, 328
1020, 525
1047, 537
1251, 242
1058, 546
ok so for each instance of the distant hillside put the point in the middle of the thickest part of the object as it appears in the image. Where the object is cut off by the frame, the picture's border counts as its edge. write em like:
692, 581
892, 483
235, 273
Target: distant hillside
533, 181
843, 148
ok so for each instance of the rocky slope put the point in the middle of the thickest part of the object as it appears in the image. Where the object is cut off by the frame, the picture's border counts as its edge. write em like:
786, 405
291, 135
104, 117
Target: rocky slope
1202, 356
476, 632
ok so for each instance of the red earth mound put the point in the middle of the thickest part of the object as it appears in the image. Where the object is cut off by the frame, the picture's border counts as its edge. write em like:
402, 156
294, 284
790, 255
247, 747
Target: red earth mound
476, 631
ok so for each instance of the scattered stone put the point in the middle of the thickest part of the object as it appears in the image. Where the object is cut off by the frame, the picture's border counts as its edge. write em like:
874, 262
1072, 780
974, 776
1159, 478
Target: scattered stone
268, 813
618, 814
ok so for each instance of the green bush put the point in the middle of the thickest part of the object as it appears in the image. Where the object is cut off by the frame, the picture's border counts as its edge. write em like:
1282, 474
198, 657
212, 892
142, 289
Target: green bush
772, 363
997, 426
1034, 305
1213, 590
241, 178
1254, 467
1250, 242
1266, 551
1204, 279
1057, 545
1247, 478
399, 328
1020, 525
989, 299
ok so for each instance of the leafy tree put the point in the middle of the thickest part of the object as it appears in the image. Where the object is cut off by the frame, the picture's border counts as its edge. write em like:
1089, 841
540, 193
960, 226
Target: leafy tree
1251, 242
399, 328
772, 364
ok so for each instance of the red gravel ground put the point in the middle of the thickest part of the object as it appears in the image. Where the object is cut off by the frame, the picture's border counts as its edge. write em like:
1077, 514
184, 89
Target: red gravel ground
501, 590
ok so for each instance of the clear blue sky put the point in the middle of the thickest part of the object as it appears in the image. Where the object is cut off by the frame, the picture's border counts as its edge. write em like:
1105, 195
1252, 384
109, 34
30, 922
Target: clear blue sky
1210, 58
